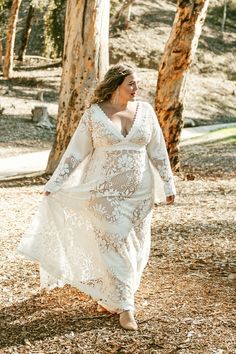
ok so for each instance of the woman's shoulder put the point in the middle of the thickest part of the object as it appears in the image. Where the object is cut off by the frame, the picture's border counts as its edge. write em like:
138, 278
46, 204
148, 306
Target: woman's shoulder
147, 108
87, 114
90, 109
91, 113
145, 104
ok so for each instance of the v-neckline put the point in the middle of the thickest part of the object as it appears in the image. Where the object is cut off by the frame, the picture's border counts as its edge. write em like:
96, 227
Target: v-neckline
124, 137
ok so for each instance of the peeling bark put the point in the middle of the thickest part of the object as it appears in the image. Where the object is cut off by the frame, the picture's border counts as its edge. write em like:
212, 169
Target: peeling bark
85, 61
177, 58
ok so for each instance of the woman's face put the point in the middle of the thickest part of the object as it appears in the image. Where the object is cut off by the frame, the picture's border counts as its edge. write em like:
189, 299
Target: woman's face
128, 89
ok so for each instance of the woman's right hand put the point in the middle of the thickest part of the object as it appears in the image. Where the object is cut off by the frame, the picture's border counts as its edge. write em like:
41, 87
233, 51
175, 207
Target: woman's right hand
46, 193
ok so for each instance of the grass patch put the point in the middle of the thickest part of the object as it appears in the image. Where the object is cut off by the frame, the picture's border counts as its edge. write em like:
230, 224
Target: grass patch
227, 132
220, 134
229, 140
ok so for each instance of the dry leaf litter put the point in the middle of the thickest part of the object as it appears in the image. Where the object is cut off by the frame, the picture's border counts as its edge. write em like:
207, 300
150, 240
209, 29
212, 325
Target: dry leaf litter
186, 301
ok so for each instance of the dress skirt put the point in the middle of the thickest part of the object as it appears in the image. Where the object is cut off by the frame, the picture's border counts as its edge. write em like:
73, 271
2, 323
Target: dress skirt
96, 235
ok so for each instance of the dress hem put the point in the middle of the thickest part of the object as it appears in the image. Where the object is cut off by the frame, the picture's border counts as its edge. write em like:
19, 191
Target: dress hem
65, 281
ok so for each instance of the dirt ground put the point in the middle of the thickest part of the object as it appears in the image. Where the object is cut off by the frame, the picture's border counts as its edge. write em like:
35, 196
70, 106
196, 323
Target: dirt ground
186, 301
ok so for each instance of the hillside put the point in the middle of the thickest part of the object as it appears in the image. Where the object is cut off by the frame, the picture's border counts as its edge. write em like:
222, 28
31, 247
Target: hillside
210, 90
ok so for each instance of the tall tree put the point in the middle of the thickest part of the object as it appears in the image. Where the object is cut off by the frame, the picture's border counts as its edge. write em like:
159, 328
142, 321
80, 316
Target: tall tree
54, 28
1, 48
1, 62
122, 15
178, 55
224, 16
11, 33
26, 33
3, 9
85, 60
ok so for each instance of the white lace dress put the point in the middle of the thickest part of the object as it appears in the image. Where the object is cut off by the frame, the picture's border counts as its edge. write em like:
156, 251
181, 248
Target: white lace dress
93, 230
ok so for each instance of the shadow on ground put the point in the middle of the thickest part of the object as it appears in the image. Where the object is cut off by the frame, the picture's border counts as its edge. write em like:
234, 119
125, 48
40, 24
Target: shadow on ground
42, 317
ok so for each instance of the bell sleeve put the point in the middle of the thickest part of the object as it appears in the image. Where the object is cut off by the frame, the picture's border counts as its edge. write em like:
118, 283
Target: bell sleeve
158, 155
78, 149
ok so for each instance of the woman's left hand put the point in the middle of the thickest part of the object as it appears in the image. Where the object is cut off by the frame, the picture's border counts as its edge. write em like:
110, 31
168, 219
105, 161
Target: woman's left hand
170, 199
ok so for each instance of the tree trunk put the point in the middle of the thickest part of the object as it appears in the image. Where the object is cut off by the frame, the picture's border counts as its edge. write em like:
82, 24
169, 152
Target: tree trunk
224, 16
11, 33
26, 33
178, 55
54, 28
127, 16
85, 60
1, 62
123, 14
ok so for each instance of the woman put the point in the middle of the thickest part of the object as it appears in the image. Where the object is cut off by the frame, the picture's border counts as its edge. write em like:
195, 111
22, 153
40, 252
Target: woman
92, 229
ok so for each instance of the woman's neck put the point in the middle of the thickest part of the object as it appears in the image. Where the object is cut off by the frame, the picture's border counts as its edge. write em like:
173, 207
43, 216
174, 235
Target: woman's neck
119, 106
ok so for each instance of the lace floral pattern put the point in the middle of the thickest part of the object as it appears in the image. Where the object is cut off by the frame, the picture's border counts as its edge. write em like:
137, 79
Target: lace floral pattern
93, 231
123, 171
69, 166
157, 152
79, 147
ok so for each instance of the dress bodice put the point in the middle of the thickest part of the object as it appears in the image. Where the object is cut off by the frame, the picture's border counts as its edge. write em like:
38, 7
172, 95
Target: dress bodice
104, 133
97, 132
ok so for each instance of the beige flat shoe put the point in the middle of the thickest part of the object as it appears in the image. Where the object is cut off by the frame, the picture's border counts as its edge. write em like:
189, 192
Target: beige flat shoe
127, 320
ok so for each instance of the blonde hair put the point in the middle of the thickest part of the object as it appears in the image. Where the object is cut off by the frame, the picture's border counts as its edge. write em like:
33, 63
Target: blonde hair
112, 79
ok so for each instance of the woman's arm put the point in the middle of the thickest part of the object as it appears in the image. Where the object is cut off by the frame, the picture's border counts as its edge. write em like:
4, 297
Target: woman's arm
159, 157
79, 147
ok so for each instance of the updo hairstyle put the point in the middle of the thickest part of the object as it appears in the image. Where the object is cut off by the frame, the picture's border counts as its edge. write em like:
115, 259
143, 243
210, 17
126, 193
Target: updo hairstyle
112, 79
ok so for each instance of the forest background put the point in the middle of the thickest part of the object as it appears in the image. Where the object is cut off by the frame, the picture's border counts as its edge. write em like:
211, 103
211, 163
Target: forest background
210, 89
186, 301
